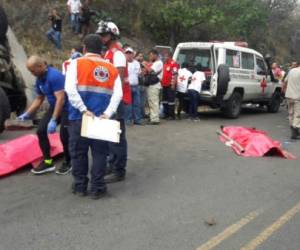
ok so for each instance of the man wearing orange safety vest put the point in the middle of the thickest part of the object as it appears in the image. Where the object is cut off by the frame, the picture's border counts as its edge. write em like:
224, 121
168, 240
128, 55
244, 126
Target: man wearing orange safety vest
168, 83
109, 35
94, 88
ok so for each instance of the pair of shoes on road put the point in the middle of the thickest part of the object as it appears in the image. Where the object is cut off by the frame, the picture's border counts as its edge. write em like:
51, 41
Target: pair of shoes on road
295, 134
93, 195
131, 123
153, 123
195, 119
46, 167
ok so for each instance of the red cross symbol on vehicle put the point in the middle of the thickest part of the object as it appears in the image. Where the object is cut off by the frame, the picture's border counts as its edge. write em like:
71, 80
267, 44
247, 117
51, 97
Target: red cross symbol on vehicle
182, 78
263, 85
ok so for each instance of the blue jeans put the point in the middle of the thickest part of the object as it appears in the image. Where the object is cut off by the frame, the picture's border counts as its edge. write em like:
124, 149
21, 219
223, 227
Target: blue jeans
75, 23
54, 37
193, 103
133, 112
79, 148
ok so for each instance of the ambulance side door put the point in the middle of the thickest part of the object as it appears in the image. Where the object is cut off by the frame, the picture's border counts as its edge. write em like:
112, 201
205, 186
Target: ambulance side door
261, 77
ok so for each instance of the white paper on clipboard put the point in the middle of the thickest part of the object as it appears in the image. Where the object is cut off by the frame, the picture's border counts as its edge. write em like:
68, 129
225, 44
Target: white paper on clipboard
100, 129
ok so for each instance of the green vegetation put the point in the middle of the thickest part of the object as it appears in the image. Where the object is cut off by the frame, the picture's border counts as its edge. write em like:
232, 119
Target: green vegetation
270, 26
267, 25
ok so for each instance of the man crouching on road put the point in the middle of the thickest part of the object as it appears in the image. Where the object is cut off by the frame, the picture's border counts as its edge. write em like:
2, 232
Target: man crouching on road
94, 88
50, 83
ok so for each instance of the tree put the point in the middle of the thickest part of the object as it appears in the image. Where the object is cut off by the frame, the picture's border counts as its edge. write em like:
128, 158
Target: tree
171, 21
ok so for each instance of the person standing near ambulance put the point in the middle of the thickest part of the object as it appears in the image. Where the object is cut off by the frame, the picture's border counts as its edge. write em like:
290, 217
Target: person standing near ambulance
109, 35
292, 95
183, 79
194, 90
170, 71
94, 88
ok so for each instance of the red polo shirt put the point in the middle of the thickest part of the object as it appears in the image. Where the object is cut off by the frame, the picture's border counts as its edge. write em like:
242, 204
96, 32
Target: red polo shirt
170, 68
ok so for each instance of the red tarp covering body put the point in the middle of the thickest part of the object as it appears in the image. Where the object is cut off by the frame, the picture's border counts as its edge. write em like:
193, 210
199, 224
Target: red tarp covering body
255, 143
25, 150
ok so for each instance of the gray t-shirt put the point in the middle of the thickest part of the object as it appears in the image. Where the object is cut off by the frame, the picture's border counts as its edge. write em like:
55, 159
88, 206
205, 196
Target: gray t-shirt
293, 84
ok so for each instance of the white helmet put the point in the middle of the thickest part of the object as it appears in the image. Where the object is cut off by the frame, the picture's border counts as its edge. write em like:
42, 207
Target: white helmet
108, 27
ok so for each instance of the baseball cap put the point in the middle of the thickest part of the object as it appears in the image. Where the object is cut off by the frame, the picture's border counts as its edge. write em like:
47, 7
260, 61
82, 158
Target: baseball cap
129, 50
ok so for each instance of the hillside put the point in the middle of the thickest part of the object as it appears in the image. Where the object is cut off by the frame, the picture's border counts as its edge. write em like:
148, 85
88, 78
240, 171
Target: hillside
31, 24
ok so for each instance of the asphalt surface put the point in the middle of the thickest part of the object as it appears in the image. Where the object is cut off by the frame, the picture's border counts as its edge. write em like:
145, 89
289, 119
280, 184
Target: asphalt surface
179, 176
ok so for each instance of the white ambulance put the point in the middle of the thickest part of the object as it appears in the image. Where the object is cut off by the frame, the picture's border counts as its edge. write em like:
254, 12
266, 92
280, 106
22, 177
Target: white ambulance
234, 74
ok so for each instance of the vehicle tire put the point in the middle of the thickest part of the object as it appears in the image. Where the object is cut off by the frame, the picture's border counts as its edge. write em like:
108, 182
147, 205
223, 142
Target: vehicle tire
4, 109
274, 105
3, 23
233, 106
223, 79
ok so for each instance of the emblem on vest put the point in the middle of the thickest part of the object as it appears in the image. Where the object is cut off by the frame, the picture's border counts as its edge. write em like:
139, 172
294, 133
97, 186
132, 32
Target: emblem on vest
101, 74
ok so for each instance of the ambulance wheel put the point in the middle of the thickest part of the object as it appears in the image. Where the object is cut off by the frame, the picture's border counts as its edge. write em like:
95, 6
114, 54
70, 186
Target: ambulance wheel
4, 109
274, 105
233, 106
223, 79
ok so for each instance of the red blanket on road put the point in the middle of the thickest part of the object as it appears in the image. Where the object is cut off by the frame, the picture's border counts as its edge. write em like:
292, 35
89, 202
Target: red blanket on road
255, 143
25, 150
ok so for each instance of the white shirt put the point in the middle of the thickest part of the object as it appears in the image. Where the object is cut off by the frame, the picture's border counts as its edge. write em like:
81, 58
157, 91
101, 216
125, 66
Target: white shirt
119, 59
134, 69
75, 6
76, 100
182, 80
293, 84
197, 80
157, 66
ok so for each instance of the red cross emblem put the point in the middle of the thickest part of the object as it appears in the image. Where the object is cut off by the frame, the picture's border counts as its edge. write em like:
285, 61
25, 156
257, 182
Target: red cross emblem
182, 78
263, 85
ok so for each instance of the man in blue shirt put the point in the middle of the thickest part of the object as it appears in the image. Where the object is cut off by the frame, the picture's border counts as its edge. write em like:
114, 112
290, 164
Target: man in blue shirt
50, 83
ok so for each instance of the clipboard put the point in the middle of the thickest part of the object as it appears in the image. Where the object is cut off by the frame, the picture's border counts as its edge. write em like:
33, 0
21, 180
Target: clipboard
100, 129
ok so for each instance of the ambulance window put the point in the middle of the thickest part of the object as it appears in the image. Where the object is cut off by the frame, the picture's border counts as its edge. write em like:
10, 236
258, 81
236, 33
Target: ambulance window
233, 58
260, 66
196, 57
247, 61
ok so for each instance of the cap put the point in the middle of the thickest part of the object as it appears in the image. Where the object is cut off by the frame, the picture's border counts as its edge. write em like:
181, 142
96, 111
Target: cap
129, 50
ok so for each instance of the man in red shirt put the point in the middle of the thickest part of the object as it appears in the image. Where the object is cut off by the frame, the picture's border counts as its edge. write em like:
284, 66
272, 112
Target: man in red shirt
168, 83
109, 35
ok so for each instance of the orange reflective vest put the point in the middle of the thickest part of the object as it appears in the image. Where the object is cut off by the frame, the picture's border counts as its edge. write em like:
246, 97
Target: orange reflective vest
96, 79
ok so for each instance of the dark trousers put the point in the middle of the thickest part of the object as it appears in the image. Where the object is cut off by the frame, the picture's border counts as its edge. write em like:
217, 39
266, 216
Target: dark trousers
79, 148
43, 135
168, 101
181, 103
118, 151
193, 103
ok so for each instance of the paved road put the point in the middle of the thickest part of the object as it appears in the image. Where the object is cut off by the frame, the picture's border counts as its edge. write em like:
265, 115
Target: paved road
179, 175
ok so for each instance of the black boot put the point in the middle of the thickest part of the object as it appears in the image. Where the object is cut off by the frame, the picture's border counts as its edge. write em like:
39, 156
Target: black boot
294, 133
114, 177
171, 111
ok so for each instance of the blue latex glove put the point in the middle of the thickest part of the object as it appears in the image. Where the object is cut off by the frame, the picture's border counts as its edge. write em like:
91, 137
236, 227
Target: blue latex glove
52, 126
23, 117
